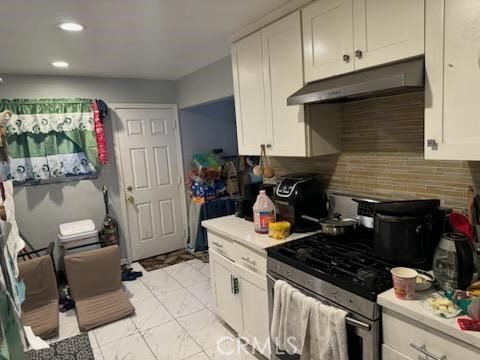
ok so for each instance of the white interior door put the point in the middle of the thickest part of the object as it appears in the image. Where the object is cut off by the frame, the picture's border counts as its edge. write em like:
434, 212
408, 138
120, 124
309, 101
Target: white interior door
149, 153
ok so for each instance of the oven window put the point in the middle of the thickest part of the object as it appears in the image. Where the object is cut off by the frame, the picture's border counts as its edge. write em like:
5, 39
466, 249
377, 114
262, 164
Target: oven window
355, 348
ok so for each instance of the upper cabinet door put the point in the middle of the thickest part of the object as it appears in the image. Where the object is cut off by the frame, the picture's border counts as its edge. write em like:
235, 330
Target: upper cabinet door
452, 105
328, 38
249, 93
283, 74
387, 30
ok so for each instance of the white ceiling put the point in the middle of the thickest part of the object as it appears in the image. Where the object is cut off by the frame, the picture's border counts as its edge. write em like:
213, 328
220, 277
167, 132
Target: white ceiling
151, 39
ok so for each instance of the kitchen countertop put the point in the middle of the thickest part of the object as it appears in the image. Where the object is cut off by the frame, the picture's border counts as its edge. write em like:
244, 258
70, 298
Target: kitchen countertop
242, 231
415, 310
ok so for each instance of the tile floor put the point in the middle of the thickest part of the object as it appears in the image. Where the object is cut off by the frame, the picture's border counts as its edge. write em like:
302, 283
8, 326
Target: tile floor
173, 320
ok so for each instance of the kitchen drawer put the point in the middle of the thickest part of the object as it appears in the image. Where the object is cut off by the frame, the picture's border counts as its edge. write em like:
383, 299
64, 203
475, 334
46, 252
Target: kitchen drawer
389, 354
403, 335
250, 259
221, 245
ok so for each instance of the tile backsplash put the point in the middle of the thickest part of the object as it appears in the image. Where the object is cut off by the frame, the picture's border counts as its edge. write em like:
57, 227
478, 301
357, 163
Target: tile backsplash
382, 155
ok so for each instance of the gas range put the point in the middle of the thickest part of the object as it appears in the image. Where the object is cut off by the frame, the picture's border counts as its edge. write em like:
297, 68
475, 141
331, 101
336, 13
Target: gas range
344, 262
339, 272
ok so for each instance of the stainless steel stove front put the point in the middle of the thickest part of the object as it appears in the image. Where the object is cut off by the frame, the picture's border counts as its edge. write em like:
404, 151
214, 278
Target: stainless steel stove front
363, 320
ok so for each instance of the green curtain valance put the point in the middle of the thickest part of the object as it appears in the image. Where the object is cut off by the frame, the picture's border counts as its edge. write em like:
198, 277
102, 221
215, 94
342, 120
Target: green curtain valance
46, 106
48, 115
50, 139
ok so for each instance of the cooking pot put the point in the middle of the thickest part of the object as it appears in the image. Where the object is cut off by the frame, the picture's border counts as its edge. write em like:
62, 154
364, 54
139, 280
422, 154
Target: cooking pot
404, 240
334, 226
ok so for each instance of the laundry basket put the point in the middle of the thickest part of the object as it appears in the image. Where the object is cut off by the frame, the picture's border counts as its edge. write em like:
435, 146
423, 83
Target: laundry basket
77, 236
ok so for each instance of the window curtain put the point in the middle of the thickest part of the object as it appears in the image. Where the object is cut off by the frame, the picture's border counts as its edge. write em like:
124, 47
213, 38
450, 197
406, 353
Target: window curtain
50, 140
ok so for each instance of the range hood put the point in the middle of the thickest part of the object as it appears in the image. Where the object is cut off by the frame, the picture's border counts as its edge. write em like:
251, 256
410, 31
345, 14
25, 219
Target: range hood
393, 78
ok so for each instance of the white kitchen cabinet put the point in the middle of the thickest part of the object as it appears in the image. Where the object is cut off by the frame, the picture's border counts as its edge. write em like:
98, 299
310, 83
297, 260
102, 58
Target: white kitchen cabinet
283, 74
345, 35
227, 303
452, 104
240, 299
405, 338
328, 38
249, 92
387, 30
255, 308
267, 68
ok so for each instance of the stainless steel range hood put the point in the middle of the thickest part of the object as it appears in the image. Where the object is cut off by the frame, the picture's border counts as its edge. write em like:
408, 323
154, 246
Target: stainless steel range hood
394, 78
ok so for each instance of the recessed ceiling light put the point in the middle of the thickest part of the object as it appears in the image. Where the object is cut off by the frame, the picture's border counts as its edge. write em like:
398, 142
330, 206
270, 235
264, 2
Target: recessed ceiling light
60, 64
71, 26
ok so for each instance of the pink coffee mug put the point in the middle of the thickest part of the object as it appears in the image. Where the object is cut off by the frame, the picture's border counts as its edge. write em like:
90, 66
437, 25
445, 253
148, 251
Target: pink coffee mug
404, 282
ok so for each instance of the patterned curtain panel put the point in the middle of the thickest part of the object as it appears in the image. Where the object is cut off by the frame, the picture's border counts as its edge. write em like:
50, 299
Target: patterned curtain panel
50, 140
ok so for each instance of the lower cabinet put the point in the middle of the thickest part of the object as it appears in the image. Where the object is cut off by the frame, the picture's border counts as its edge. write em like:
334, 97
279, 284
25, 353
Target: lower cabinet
240, 298
407, 339
227, 303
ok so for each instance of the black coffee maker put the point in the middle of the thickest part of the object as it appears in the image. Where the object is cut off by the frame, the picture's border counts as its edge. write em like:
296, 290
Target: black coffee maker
300, 194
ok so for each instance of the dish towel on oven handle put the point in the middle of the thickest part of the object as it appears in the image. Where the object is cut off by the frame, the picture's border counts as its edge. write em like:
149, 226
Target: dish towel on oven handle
291, 310
303, 325
326, 334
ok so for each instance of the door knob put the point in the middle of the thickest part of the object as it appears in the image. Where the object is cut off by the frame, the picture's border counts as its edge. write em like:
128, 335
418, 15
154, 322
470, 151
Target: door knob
131, 199
130, 188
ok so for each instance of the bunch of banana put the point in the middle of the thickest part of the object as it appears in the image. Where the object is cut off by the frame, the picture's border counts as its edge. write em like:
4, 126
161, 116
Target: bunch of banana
474, 289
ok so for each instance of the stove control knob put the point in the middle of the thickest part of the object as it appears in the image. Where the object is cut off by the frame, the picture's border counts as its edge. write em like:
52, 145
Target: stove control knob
277, 267
288, 272
351, 300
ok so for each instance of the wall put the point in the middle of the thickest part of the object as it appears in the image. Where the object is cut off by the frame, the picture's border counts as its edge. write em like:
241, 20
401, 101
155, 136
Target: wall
41, 208
206, 127
210, 83
382, 156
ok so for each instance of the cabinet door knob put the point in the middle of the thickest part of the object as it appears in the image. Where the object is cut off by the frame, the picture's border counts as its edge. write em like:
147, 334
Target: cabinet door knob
269, 146
432, 143
346, 58
358, 54
249, 261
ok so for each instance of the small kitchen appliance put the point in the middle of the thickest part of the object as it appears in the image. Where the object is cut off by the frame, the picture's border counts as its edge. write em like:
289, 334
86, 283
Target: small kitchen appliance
298, 195
405, 232
454, 263
244, 204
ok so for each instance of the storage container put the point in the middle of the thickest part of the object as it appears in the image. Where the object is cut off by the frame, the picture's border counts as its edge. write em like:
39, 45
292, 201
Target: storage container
77, 233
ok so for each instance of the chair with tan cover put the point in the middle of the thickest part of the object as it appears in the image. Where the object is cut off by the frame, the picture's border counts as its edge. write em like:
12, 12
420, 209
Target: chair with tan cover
40, 308
95, 281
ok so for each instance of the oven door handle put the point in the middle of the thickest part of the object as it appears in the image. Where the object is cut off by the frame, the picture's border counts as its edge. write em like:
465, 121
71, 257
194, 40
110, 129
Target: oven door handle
357, 323
271, 277
349, 320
